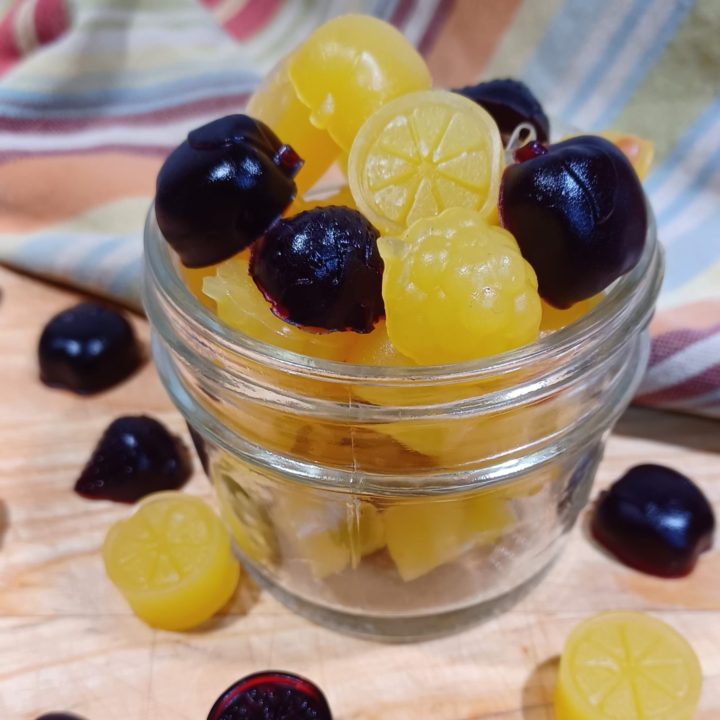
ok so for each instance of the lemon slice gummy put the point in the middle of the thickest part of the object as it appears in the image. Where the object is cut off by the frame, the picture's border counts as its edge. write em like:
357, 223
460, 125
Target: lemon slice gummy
421, 154
171, 560
627, 666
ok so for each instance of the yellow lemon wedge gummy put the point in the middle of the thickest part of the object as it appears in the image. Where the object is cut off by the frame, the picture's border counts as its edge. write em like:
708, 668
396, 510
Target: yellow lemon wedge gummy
172, 561
421, 154
349, 67
627, 666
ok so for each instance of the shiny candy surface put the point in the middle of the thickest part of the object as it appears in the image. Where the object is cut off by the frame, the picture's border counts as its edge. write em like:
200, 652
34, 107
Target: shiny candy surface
222, 188
577, 211
135, 456
655, 520
87, 348
321, 269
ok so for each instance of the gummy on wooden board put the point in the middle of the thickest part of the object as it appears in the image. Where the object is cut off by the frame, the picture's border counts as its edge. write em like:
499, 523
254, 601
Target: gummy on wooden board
627, 666
349, 67
276, 103
421, 154
172, 561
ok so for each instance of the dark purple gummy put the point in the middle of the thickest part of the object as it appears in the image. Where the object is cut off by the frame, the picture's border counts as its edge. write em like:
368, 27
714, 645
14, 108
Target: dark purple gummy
222, 188
136, 456
87, 348
578, 213
655, 520
510, 102
271, 695
59, 716
322, 269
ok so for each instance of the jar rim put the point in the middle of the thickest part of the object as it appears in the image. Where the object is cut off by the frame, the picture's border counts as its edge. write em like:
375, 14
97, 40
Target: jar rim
613, 309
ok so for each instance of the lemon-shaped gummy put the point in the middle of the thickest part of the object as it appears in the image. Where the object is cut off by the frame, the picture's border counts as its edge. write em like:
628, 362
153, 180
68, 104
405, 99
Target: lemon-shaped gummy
171, 560
349, 67
456, 289
627, 666
423, 153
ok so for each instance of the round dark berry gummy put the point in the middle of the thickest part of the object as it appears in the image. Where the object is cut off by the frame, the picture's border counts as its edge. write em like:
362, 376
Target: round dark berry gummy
222, 188
271, 696
136, 456
655, 520
322, 269
510, 102
87, 348
578, 214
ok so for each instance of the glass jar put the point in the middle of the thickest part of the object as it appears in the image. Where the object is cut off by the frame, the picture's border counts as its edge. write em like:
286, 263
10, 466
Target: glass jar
392, 502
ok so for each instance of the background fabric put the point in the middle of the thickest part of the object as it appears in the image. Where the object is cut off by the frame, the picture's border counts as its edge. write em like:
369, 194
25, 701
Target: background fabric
94, 94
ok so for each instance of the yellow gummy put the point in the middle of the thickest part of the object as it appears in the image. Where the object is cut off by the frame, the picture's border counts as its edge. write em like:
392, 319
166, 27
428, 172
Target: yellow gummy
329, 535
423, 535
349, 67
639, 151
172, 561
276, 104
341, 197
242, 306
194, 279
456, 289
423, 153
627, 666
556, 318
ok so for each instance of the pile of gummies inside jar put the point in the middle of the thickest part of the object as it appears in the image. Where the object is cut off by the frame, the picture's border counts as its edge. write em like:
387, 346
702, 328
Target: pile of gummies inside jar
458, 232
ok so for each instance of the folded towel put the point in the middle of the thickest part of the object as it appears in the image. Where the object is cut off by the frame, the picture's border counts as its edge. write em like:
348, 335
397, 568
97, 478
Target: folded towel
94, 94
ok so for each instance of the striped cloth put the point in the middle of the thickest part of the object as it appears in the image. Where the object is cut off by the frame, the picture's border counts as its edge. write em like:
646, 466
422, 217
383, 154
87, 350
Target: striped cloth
93, 95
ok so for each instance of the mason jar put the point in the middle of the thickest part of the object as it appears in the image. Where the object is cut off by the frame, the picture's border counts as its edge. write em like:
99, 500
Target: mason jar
399, 503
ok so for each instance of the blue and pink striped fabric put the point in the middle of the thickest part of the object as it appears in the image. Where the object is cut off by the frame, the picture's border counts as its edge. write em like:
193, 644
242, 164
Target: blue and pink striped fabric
94, 94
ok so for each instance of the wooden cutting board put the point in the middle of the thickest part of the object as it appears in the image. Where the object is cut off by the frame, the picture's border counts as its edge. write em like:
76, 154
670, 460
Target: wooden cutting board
68, 641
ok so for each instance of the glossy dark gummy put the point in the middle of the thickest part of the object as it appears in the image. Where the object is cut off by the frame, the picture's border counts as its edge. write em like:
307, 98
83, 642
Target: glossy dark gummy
136, 456
655, 520
87, 348
578, 213
271, 695
59, 716
510, 102
322, 269
222, 188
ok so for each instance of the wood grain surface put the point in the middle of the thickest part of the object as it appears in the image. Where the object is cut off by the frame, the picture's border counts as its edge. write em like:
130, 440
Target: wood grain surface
68, 641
